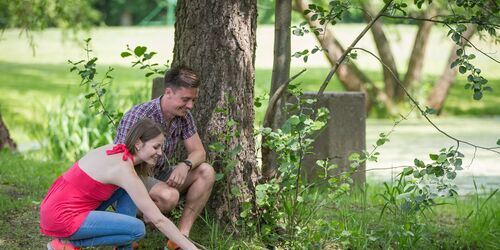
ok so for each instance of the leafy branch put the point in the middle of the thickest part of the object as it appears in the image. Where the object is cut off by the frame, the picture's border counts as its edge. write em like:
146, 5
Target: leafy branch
87, 69
428, 110
143, 60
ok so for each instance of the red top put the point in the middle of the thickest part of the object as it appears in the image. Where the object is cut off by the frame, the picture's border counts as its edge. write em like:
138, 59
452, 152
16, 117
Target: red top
71, 198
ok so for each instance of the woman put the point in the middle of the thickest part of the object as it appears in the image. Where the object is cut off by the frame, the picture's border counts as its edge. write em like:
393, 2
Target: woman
74, 209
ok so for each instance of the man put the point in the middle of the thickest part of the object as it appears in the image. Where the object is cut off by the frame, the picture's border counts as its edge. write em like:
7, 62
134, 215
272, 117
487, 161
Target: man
192, 176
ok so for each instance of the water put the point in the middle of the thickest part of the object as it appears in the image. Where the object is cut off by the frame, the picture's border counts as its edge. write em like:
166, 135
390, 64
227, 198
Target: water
416, 138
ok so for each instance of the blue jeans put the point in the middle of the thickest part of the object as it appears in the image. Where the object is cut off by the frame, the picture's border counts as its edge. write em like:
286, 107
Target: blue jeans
102, 228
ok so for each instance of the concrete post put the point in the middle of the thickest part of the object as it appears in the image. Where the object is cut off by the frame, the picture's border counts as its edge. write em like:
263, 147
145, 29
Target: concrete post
344, 134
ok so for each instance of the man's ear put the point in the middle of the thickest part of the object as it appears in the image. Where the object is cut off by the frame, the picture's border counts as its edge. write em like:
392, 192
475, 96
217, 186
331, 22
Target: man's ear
169, 92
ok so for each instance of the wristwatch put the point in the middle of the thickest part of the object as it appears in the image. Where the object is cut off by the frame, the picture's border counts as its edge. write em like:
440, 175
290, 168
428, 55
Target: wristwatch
188, 163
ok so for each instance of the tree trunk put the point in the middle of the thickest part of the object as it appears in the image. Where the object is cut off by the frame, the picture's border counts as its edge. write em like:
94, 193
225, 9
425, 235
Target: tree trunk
281, 74
217, 40
349, 74
384, 51
5, 140
440, 90
414, 71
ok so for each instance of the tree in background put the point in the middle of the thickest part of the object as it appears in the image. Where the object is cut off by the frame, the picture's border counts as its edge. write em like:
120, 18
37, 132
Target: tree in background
37, 15
483, 13
29, 16
133, 12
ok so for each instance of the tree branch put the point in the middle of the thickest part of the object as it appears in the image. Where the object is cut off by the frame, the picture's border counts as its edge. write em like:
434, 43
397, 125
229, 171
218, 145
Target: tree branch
448, 25
348, 50
271, 106
438, 21
492, 149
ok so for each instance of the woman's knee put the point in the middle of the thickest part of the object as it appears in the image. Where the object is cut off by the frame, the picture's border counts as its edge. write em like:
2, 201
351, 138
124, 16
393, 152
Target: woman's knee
137, 230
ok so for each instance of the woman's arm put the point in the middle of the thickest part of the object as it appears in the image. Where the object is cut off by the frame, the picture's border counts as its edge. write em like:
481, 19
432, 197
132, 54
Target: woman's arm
132, 184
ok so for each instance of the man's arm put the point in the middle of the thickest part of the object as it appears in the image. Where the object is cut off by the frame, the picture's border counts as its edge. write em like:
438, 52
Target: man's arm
195, 150
196, 154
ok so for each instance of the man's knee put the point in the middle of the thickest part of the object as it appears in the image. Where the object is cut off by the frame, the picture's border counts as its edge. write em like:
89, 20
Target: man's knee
165, 197
206, 172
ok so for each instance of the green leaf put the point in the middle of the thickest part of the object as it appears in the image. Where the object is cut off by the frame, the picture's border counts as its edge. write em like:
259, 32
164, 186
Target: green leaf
488, 88
219, 176
139, 50
433, 156
455, 63
380, 142
498, 142
456, 37
451, 175
125, 54
461, 28
441, 158
235, 191
462, 69
478, 95
430, 111
419, 163
407, 171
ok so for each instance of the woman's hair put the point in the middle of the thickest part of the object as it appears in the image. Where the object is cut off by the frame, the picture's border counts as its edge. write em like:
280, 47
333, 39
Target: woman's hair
143, 130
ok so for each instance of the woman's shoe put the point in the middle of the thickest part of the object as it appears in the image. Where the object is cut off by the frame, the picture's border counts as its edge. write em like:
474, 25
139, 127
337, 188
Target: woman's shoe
57, 244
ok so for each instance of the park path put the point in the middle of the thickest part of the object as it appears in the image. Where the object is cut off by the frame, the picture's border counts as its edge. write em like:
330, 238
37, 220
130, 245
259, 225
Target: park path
415, 138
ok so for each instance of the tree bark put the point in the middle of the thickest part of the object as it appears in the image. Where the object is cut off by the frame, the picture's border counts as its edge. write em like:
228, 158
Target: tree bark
440, 90
5, 140
414, 71
391, 85
281, 74
217, 39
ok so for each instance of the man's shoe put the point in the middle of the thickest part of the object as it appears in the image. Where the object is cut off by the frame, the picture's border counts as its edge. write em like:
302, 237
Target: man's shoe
172, 246
57, 244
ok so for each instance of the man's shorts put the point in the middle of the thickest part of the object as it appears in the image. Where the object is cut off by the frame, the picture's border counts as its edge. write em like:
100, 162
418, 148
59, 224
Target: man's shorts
161, 176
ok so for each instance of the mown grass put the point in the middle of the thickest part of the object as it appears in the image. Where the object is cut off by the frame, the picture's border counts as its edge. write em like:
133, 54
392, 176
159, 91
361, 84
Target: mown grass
467, 222
30, 89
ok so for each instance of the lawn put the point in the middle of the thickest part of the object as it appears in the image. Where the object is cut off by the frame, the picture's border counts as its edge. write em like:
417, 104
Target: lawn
467, 222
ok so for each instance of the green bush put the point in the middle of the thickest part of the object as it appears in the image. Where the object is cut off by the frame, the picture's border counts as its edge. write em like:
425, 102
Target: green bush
73, 129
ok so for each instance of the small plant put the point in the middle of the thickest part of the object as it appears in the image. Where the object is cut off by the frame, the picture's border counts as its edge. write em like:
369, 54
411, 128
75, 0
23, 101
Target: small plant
87, 69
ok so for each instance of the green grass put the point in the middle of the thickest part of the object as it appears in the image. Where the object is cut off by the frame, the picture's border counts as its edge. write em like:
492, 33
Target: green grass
467, 222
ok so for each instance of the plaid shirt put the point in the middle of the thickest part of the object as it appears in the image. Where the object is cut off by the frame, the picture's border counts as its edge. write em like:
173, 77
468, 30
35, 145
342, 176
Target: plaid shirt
181, 128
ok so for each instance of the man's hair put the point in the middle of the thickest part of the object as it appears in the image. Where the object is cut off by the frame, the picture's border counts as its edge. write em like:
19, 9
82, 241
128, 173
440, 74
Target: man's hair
143, 130
181, 77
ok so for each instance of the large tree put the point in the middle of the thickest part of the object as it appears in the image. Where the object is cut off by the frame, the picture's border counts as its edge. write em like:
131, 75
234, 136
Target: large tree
217, 39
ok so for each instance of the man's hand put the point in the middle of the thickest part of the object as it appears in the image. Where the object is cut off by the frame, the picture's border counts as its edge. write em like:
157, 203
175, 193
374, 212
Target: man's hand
178, 175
